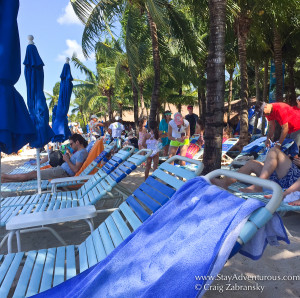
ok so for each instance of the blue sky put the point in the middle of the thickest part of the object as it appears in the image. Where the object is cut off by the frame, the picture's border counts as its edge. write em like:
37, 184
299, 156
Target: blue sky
57, 34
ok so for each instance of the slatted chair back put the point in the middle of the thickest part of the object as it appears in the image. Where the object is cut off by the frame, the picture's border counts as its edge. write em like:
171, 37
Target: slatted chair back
47, 268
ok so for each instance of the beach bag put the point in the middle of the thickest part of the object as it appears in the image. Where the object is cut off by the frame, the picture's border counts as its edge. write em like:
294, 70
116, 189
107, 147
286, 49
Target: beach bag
56, 158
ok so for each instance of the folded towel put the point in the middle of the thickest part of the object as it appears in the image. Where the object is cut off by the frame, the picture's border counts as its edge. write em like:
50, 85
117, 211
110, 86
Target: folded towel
162, 257
257, 144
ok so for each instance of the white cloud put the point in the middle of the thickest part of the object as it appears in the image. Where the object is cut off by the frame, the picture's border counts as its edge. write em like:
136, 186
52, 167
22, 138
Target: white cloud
73, 48
69, 17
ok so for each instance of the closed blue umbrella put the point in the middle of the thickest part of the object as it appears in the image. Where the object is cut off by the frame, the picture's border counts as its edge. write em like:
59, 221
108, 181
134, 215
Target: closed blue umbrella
16, 127
60, 124
36, 100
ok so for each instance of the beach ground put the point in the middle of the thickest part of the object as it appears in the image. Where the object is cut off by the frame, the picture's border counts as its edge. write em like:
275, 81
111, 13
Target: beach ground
276, 274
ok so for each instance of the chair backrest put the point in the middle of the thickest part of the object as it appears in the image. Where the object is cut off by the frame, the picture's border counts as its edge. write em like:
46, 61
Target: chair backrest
102, 186
98, 159
229, 144
144, 201
128, 166
118, 158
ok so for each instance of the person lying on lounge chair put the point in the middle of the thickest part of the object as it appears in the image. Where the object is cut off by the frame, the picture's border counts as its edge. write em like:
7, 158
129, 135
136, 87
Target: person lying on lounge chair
278, 167
71, 165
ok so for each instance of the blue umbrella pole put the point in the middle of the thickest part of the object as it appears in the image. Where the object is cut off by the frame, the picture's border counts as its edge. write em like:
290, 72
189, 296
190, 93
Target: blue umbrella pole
38, 170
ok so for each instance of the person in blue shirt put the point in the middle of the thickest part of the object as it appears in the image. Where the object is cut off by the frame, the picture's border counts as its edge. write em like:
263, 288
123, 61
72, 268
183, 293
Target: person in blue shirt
163, 131
72, 164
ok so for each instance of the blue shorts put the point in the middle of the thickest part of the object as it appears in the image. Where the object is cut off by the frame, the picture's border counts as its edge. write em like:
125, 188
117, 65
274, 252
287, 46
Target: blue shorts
290, 178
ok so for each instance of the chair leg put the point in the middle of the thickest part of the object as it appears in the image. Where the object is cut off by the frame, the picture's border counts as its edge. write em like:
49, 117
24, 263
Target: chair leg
90, 223
9, 241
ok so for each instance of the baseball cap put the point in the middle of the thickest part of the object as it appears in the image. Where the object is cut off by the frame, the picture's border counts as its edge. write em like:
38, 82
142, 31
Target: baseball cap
178, 119
94, 116
189, 107
117, 118
298, 98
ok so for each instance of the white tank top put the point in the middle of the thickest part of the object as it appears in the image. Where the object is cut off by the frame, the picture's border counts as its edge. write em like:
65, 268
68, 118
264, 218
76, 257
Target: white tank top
176, 131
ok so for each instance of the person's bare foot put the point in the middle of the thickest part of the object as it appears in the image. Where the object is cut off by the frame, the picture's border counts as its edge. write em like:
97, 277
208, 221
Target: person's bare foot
219, 182
295, 203
251, 189
268, 196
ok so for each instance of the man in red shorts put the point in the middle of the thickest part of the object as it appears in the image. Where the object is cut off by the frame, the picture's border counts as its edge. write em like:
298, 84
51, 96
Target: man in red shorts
287, 117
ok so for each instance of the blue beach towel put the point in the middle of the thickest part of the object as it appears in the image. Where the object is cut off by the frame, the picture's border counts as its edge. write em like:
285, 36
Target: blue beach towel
162, 257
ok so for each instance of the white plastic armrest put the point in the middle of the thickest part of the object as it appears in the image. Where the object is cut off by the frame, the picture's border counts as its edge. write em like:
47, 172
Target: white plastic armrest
70, 179
189, 160
276, 199
147, 151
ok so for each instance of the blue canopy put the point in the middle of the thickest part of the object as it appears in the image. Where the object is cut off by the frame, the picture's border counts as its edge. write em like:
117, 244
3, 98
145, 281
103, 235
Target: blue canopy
16, 127
36, 101
60, 125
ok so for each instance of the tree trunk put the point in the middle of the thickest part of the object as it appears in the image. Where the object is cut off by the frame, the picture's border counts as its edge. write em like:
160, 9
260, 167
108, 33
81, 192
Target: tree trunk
215, 86
121, 109
292, 92
278, 65
135, 105
243, 26
256, 94
110, 114
265, 93
230, 94
179, 106
156, 64
143, 112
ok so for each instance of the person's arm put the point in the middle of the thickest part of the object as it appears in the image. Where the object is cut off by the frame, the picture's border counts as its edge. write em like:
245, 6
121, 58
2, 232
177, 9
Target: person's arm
294, 187
187, 134
74, 167
284, 132
100, 124
170, 134
270, 132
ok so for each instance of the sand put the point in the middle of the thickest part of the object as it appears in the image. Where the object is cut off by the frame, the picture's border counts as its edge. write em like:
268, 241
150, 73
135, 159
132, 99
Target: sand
276, 273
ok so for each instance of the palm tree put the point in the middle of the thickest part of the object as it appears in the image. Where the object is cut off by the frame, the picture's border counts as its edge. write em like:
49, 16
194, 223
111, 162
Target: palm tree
101, 84
215, 86
99, 16
53, 97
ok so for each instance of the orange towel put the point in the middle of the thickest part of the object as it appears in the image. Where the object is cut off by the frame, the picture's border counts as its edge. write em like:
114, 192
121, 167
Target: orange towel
46, 167
96, 150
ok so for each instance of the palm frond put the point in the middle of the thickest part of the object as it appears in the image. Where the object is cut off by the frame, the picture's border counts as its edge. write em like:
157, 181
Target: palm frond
78, 64
98, 16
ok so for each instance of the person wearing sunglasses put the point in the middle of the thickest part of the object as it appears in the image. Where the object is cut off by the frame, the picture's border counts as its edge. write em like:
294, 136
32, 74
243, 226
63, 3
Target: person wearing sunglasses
69, 168
179, 135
